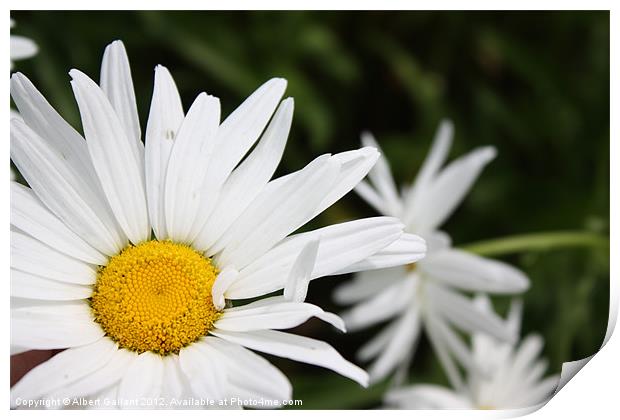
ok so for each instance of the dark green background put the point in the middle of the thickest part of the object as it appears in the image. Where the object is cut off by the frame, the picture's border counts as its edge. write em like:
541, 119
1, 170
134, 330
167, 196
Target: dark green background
534, 84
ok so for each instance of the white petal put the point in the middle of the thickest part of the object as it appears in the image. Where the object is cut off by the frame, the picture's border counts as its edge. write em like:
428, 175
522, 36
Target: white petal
165, 119
111, 394
276, 212
543, 391
437, 240
340, 246
407, 249
445, 358
64, 368
54, 326
247, 181
18, 303
64, 190
370, 195
205, 372
400, 346
455, 345
272, 314
471, 272
43, 119
142, 380
35, 287
354, 165
244, 125
18, 349
30, 215
192, 154
294, 347
427, 397
112, 153
174, 383
296, 288
108, 374
366, 284
223, 281
515, 314
251, 376
381, 177
462, 312
447, 191
375, 345
382, 306
22, 47
34, 257
534, 374
416, 197
116, 83
526, 354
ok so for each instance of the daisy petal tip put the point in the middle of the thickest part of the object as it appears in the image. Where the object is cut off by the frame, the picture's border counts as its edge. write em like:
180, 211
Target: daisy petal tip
17, 77
288, 105
365, 380
368, 139
516, 280
205, 97
223, 281
117, 43
161, 69
333, 319
219, 302
373, 378
79, 77
277, 84
488, 153
446, 124
281, 81
523, 284
370, 152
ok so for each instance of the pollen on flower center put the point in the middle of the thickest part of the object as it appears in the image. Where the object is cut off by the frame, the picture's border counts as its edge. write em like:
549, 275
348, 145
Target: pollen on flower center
155, 296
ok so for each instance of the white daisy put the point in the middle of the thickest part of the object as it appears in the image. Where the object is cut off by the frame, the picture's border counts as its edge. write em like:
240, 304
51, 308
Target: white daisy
21, 47
512, 375
426, 294
154, 316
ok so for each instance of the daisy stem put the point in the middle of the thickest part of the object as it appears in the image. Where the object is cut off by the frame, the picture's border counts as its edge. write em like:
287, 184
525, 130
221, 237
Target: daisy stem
543, 241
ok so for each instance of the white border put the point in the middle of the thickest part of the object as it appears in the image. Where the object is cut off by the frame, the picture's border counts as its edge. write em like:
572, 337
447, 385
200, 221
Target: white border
593, 392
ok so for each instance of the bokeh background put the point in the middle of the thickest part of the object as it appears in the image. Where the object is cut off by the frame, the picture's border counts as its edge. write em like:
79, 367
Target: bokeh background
533, 84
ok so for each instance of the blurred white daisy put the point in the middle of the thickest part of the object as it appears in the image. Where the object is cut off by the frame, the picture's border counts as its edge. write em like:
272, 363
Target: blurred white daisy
21, 47
153, 316
513, 375
426, 294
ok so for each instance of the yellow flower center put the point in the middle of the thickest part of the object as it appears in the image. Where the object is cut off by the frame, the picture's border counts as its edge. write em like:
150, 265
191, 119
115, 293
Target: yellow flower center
155, 296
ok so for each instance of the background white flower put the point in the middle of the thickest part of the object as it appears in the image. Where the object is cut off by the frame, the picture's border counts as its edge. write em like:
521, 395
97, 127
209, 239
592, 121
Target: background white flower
87, 275
427, 294
512, 375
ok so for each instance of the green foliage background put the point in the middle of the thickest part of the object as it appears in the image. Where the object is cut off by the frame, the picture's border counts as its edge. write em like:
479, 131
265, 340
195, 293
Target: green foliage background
534, 84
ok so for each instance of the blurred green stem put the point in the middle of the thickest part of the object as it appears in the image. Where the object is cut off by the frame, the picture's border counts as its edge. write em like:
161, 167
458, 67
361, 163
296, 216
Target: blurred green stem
537, 242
